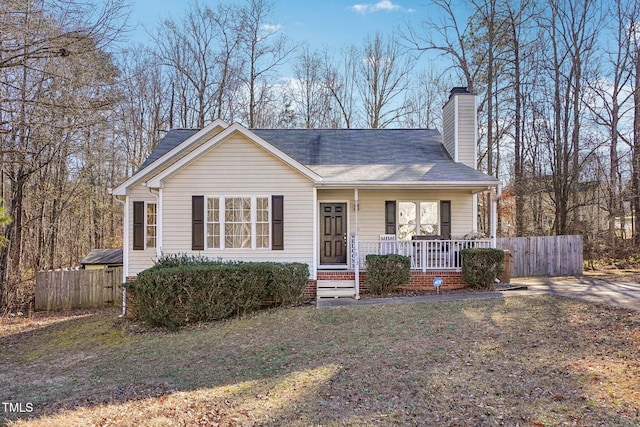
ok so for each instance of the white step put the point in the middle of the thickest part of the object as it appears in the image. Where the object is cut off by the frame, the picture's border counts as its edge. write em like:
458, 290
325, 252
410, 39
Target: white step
335, 289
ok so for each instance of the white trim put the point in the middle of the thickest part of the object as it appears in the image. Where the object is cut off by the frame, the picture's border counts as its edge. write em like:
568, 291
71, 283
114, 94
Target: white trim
159, 227
417, 202
123, 189
456, 124
356, 268
315, 237
125, 240
222, 221
475, 132
157, 180
474, 213
433, 185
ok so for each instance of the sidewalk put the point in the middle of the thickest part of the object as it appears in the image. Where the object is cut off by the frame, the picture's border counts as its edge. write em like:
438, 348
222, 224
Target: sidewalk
612, 289
452, 296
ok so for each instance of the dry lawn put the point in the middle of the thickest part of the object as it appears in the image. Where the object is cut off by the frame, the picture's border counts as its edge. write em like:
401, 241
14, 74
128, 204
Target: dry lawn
527, 360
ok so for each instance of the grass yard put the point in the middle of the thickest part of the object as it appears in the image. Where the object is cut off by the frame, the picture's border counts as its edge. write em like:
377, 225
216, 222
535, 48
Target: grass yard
529, 361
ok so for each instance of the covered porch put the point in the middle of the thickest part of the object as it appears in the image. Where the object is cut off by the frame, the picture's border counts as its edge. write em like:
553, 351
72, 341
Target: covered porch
427, 223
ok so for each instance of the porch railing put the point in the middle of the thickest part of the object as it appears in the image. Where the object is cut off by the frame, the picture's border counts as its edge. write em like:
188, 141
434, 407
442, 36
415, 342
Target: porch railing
425, 254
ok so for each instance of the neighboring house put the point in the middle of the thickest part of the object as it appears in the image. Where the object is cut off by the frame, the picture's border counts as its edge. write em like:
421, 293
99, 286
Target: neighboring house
98, 259
324, 197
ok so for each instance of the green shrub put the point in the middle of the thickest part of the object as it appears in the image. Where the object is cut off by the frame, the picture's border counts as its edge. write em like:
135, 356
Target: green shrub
386, 272
184, 290
481, 266
288, 282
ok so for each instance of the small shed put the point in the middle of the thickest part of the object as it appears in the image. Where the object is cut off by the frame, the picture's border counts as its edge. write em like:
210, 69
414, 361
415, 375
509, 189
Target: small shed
102, 258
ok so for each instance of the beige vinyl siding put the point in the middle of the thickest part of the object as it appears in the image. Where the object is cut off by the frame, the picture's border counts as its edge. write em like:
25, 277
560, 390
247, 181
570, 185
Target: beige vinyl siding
448, 127
459, 128
371, 213
467, 130
139, 260
239, 167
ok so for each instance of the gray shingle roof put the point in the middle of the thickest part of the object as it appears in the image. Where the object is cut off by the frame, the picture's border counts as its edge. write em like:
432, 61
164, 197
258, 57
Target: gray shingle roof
103, 256
171, 140
386, 155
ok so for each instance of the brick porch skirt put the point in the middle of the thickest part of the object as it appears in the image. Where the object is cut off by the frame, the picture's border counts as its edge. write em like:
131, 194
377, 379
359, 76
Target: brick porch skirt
420, 281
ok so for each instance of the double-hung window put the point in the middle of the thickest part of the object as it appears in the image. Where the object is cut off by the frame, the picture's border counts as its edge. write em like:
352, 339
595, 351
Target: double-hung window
145, 225
238, 222
152, 225
418, 218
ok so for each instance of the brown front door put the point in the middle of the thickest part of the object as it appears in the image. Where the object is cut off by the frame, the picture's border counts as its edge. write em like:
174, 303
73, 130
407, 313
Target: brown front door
333, 233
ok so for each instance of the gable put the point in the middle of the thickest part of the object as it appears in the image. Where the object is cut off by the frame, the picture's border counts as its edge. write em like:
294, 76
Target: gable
234, 166
231, 135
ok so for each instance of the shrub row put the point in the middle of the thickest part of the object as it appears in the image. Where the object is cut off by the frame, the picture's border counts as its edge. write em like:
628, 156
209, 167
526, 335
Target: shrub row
386, 272
179, 291
481, 266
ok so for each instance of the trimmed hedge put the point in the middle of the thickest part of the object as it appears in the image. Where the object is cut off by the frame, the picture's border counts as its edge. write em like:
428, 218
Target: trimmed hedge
481, 266
175, 292
386, 272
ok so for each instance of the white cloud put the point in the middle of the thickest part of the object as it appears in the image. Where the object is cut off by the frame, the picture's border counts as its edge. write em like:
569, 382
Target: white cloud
271, 28
360, 8
386, 5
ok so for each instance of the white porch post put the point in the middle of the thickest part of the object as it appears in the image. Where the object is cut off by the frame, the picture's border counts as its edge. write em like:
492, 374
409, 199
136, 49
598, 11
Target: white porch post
356, 207
493, 220
315, 237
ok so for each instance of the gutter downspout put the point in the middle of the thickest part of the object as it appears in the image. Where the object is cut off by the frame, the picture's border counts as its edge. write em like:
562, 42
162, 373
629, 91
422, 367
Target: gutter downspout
125, 253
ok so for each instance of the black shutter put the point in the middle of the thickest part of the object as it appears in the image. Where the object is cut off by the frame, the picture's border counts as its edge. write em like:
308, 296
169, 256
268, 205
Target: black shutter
390, 217
445, 219
197, 223
277, 223
138, 226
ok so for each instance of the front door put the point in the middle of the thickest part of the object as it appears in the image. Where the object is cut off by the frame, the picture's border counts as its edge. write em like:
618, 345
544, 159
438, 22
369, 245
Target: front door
333, 233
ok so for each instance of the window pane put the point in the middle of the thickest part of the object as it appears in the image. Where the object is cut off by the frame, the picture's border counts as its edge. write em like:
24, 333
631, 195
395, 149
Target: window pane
213, 209
406, 220
152, 221
429, 218
213, 235
237, 235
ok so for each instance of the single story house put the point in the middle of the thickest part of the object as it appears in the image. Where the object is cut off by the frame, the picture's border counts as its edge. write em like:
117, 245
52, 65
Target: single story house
324, 197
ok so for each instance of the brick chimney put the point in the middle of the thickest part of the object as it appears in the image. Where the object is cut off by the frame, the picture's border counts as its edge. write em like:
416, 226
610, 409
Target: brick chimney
460, 126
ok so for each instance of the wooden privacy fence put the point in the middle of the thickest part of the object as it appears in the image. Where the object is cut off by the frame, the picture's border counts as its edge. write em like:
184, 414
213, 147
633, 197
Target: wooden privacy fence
66, 290
544, 255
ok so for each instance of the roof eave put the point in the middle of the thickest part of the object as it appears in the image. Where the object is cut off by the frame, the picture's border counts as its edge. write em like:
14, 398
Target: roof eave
473, 186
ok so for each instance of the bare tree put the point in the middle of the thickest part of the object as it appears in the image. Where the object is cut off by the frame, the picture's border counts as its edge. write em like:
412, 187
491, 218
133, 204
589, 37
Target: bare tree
339, 78
201, 50
54, 73
263, 49
608, 105
310, 95
383, 78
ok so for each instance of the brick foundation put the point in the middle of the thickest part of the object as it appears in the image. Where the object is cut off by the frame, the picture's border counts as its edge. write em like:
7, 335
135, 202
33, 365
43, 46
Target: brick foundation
130, 311
419, 281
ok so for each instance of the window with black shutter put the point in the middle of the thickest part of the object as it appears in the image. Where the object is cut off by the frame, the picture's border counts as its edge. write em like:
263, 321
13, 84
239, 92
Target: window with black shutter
197, 223
138, 226
445, 219
277, 223
390, 217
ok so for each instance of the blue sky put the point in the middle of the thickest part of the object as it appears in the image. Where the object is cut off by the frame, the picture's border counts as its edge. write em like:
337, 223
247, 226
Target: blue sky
333, 23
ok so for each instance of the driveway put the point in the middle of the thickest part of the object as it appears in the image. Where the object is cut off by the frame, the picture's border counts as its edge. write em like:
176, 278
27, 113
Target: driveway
620, 288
